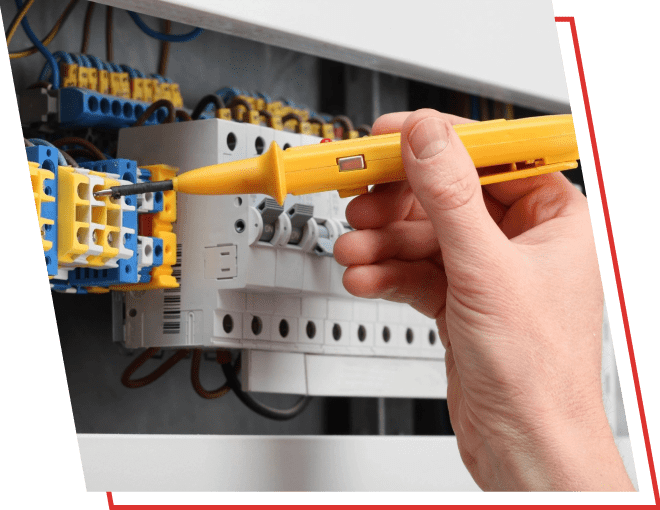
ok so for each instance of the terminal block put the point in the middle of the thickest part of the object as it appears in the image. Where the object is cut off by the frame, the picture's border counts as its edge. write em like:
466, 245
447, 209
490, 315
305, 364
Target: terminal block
43, 174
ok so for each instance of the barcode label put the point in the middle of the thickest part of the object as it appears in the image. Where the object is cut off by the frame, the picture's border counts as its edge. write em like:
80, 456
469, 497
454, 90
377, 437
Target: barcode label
172, 300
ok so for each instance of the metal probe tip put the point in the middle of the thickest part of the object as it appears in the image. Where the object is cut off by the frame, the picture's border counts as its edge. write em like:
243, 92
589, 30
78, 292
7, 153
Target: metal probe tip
104, 193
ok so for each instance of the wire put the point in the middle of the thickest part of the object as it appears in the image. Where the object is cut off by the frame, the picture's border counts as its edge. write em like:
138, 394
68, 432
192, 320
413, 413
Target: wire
346, 123
153, 107
205, 102
159, 35
142, 359
222, 357
258, 407
51, 35
164, 49
87, 26
44, 51
75, 140
60, 157
365, 129
240, 101
182, 115
27, 143
72, 162
109, 50
22, 11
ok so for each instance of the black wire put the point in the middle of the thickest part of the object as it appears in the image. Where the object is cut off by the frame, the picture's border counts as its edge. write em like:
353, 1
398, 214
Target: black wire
258, 407
204, 102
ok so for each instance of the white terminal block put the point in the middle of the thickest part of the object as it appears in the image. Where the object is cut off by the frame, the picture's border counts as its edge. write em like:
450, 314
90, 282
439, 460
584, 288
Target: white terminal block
282, 304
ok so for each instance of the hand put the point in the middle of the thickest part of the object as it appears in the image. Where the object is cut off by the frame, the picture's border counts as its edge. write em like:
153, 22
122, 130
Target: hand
510, 274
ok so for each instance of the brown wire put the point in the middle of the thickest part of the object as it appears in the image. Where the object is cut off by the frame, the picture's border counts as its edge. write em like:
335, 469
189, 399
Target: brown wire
75, 140
87, 27
345, 122
142, 359
153, 107
182, 115
365, 129
316, 120
204, 102
80, 152
240, 101
268, 116
222, 357
109, 50
164, 49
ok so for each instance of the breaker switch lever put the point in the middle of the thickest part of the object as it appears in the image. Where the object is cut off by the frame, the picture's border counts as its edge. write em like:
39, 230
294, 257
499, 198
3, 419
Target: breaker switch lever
299, 215
270, 210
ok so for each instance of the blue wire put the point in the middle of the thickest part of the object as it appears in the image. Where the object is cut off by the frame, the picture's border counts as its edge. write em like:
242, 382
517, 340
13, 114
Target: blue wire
61, 160
59, 56
38, 44
98, 63
164, 37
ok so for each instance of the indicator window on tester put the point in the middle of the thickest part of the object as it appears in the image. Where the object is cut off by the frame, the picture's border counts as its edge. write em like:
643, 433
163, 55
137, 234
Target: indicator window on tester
350, 163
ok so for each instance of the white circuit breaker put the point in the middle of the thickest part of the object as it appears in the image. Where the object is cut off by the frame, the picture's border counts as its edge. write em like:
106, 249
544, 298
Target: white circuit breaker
262, 279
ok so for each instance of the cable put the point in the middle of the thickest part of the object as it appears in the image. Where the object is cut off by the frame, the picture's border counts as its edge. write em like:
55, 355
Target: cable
182, 115
51, 35
75, 140
27, 143
222, 357
164, 49
159, 35
22, 11
44, 51
240, 101
153, 107
258, 407
72, 162
60, 157
142, 359
109, 50
365, 129
87, 26
205, 102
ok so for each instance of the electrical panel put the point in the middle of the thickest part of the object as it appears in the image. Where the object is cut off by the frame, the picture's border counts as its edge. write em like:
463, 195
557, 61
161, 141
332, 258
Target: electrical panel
261, 278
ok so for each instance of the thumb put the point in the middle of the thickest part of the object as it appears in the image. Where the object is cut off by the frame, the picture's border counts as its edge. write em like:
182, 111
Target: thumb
445, 181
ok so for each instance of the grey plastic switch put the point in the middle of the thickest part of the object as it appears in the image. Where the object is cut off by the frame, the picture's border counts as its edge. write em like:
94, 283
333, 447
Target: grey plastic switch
299, 215
270, 210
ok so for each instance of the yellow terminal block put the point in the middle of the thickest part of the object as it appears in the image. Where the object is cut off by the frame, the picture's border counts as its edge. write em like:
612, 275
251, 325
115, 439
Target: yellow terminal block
138, 89
104, 82
223, 113
92, 78
151, 89
164, 92
119, 85
177, 98
69, 74
73, 214
526, 147
161, 276
83, 77
38, 176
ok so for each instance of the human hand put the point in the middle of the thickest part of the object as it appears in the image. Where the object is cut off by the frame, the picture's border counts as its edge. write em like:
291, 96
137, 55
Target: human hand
509, 273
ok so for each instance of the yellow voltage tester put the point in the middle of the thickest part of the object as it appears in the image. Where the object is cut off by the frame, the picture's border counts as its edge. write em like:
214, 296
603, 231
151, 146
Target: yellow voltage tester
502, 149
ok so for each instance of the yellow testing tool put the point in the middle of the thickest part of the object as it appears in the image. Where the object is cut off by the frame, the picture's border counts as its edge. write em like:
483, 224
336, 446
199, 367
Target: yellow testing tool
502, 149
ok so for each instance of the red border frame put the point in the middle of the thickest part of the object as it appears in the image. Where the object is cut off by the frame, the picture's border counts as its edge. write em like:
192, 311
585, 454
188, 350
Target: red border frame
624, 313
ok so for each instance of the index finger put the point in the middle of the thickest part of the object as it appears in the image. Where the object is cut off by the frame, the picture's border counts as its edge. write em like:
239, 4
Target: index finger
393, 122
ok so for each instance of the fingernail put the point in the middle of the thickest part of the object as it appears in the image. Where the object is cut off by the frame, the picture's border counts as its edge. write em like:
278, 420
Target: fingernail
428, 138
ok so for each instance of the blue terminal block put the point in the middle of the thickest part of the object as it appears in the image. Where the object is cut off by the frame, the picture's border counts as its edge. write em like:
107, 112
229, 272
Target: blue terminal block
87, 108
47, 159
127, 269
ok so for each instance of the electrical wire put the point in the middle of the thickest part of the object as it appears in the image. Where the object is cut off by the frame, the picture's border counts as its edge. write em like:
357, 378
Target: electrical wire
44, 51
205, 102
365, 129
87, 26
142, 359
109, 50
75, 140
258, 407
13, 27
27, 143
60, 156
70, 160
164, 49
153, 107
51, 35
346, 124
159, 35
182, 115
222, 356
242, 102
